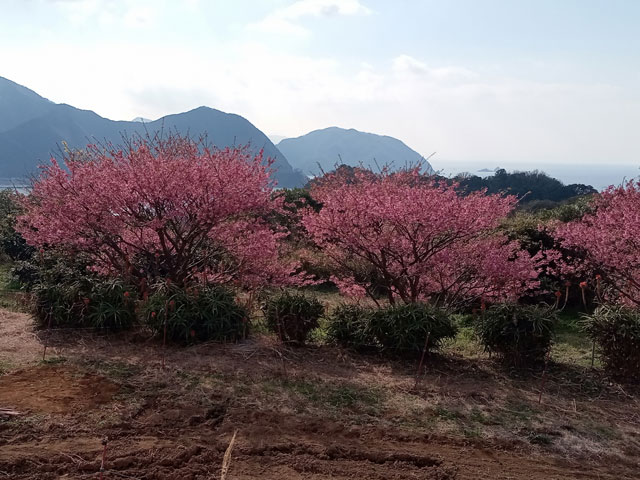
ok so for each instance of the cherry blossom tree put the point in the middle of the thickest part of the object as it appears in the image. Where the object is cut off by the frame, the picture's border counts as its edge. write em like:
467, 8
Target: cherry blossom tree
417, 240
162, 209
608, 240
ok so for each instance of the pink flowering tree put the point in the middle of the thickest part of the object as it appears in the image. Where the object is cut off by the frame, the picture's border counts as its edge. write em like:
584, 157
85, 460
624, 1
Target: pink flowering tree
162, 209
417, 240
608, 240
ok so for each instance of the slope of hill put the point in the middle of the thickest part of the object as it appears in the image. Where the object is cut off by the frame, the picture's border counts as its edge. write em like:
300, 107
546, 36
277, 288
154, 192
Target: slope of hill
19, 104
32, 128
324, 149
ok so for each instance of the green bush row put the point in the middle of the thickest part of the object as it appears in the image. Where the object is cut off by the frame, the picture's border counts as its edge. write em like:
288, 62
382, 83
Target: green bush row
65, 294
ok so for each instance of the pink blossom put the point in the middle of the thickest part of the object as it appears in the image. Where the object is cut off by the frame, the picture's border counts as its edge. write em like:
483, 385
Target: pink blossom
419, 239
608, 238
180, 209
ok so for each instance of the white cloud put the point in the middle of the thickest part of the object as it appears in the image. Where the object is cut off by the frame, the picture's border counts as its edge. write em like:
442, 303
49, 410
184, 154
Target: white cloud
130, 13
285, 20
405, 63
139, 17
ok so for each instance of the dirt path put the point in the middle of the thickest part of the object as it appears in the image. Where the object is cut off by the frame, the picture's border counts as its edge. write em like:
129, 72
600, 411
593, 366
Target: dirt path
177, 423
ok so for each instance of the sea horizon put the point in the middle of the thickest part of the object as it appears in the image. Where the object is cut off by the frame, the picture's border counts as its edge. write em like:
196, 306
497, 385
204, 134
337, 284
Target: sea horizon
599, 176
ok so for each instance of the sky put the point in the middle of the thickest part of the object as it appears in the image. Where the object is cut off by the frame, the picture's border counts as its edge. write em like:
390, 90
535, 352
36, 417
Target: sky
493, 82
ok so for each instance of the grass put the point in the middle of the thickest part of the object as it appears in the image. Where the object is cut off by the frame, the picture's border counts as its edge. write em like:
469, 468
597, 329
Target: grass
116, 370
464, 344
446, 413
5, 366
332, 396
571, 344
53, 361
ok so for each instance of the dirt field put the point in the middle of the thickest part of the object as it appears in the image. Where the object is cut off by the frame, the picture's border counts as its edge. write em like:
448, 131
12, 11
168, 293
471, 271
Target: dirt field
314, 413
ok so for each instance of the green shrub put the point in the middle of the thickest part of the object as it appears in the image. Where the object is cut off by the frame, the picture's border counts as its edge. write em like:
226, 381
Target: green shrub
349, 326
11, 242
616, 331
26, 273
85, 302
519, 334
196, 314
403, 329
400, 329
57, 305
111, 305
293, 316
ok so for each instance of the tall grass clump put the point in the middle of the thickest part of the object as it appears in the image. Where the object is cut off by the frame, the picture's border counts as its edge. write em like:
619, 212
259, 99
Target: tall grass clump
399, 329
406, 328
293, 316
519, 334
350, 326
196, 314
616, 331
84, 302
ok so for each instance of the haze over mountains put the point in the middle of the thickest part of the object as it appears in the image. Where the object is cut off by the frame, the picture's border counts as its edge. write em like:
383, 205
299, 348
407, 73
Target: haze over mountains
32, 128
322, 150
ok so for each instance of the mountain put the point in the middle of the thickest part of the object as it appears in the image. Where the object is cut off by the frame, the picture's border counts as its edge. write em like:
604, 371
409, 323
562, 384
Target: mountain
18, 104
333, 145
32, 128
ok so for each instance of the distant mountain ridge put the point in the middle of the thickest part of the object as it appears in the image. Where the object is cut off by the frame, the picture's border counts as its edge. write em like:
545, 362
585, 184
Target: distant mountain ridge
326, 148
32, 128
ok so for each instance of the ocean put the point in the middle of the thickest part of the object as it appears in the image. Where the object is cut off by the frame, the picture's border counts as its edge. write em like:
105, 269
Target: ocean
600, 176
14, 183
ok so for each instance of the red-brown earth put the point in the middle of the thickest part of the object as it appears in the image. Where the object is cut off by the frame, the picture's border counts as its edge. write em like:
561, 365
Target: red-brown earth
317, 413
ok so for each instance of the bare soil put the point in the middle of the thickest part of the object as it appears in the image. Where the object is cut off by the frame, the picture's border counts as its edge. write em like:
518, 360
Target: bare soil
314, 413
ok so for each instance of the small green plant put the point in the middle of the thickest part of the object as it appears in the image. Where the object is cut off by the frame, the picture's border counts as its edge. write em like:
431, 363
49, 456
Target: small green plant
196, 314
616, 331
349, 326
293, 316
407, 328
520, 334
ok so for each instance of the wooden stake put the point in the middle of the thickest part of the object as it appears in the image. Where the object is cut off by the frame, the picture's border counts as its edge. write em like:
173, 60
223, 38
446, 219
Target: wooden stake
44, 353
105, 440
164, 336
424, 351
544, 376
226, 460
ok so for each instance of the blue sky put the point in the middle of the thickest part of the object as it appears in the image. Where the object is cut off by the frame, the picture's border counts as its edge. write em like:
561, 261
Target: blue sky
499, 82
